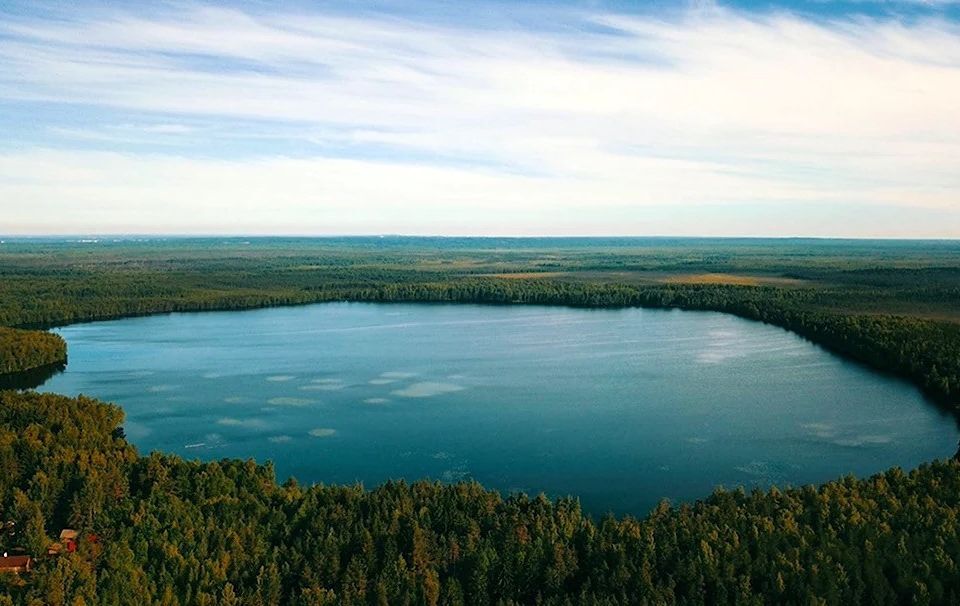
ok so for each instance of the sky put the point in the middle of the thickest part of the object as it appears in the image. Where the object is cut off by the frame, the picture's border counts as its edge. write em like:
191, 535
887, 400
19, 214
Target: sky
749, 118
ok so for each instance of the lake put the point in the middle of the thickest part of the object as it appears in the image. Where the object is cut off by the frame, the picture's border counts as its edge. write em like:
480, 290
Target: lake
618, 407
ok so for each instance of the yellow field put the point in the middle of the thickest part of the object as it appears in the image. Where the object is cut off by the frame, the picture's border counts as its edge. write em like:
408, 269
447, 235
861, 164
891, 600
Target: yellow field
641, 277
735, 279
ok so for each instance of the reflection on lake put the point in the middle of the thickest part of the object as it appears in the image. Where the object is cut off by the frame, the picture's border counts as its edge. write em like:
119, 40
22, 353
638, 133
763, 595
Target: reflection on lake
30, 379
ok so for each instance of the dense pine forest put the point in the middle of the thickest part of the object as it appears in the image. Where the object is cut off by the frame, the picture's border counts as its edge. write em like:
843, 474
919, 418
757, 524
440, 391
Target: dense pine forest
22, 350
161, 530
158, 529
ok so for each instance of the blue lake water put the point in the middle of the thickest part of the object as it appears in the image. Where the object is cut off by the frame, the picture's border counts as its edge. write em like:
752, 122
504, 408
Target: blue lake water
618, 407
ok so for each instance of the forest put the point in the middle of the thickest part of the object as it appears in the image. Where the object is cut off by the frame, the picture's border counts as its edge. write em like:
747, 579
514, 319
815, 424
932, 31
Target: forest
158, 529
161, 530
22, 350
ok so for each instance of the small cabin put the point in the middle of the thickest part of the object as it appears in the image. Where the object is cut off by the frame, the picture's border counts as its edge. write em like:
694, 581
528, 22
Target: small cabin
69, 534
68, 538
16, 564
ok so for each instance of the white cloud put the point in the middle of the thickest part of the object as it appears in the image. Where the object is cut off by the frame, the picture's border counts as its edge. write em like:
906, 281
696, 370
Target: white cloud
427, 128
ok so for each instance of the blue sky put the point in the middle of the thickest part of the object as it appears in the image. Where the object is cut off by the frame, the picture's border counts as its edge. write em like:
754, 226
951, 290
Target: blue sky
805, 118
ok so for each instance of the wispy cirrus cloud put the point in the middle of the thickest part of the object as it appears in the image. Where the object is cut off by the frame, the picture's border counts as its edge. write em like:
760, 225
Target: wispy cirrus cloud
197, 118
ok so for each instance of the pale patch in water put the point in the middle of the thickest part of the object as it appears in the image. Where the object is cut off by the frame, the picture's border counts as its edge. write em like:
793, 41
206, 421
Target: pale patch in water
323, 387
382, 381
197, 445
234, 400
858, 441
289, 401
398, 375
159, 388
376, 401
696, 440
729, 344
212, 375
722, 333
754, 468
322, 432
454, 475
427, 389
279, 439
820, 430
231, 422
715, 356
830, 434
762, 471
280, 378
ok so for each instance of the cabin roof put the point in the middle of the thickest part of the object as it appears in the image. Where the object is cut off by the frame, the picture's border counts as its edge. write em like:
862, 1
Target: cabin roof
68, 534
20, 561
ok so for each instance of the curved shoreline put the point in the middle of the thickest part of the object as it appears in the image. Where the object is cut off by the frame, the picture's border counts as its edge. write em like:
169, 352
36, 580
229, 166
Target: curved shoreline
815, 327
270, 353
32, 378
23, 351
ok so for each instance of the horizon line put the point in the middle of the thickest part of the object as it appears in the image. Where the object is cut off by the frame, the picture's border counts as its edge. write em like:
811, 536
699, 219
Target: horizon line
233, 236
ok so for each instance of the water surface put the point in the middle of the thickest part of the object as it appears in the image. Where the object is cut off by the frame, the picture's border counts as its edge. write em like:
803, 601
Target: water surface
619, 407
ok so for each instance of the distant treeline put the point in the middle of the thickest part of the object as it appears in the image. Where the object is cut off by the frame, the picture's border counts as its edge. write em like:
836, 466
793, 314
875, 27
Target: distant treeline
22, 350
925, 351
160, 530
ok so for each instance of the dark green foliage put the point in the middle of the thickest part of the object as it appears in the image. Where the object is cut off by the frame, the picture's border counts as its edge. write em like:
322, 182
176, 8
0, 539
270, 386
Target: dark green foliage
62, 453
182, 532
22, 350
